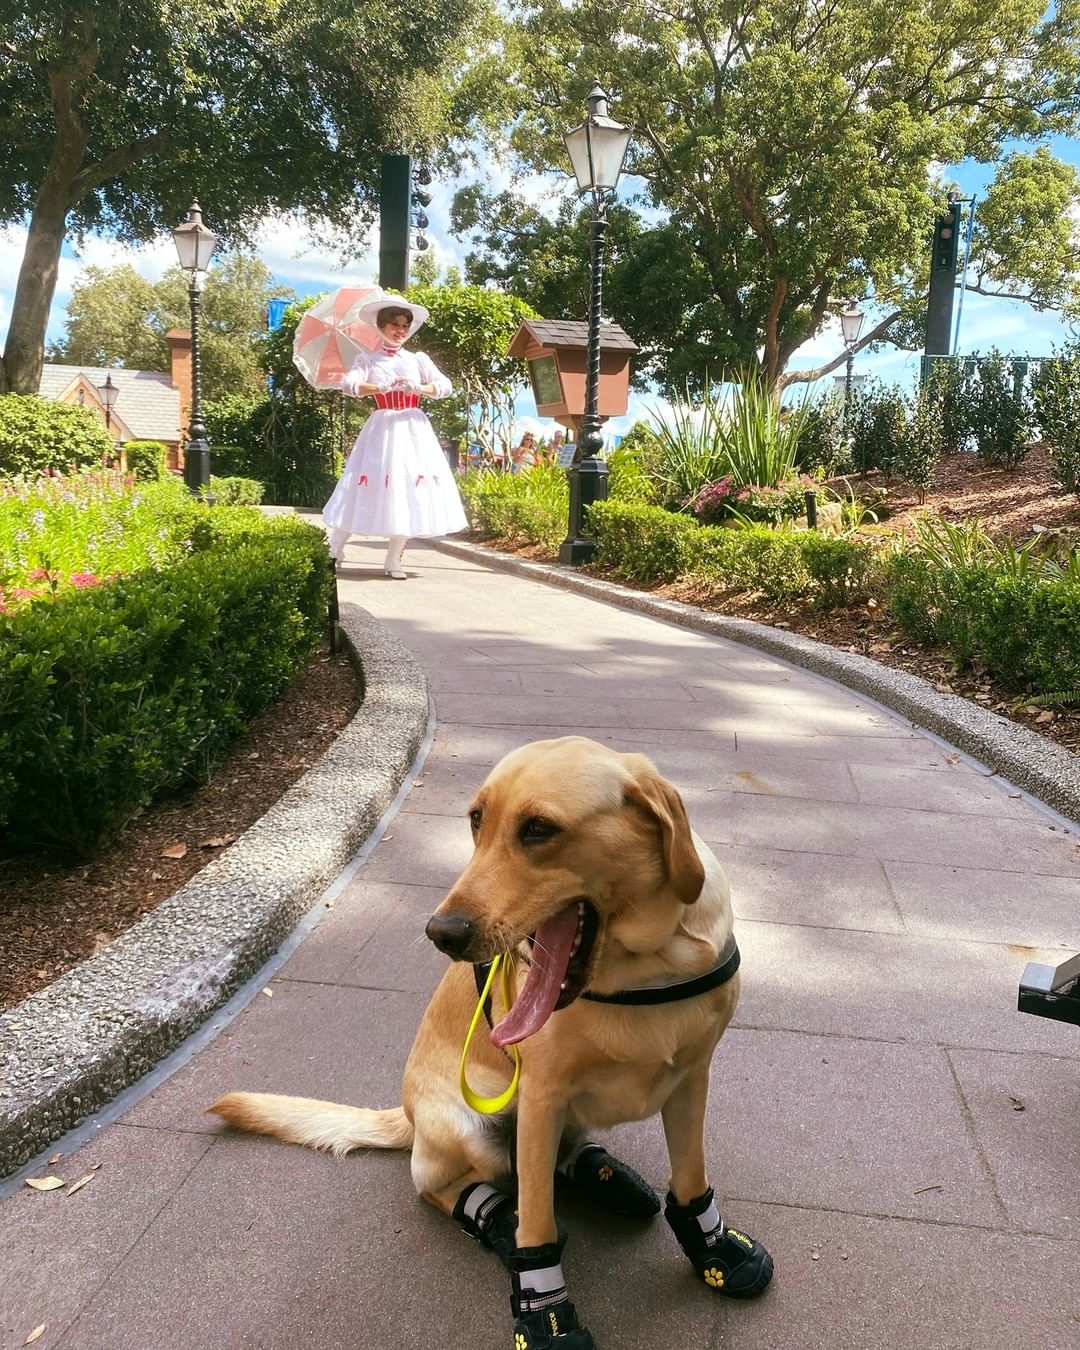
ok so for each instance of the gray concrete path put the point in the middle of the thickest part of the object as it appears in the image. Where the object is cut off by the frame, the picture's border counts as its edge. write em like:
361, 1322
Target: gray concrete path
904, 1141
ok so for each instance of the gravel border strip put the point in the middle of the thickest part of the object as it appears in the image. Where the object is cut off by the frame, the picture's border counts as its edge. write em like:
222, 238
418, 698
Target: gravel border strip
1029, 761
71, 1047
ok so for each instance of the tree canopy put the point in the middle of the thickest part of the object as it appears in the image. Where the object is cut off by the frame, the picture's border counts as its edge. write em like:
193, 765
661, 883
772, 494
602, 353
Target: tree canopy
118, 318
113, 116
789, 155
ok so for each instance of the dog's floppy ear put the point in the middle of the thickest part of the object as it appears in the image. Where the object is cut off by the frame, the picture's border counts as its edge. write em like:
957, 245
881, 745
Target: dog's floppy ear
658, 798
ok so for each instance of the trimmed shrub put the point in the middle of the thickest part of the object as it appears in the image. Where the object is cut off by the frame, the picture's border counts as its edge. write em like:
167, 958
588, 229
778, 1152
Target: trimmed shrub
236, 491
645, 543
843, 570
114, 694
39, 436
146, 459
529, 507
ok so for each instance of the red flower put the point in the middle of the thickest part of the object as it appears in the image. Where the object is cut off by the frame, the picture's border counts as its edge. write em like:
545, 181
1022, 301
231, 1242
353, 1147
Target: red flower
81, 579
363, 482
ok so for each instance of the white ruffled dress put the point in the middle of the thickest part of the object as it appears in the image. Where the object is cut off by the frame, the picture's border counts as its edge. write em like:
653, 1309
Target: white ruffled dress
397, 480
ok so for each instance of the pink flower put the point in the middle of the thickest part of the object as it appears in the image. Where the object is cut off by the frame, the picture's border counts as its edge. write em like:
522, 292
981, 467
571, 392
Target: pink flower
38, 574
22, 593
84, 579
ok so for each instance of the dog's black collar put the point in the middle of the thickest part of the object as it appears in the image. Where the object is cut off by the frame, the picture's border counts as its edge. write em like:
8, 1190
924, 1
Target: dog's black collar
672, 993
725, 968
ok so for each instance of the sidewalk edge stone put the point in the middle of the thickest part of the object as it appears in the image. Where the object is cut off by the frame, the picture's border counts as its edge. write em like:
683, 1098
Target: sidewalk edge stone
69, 1048
1032, 762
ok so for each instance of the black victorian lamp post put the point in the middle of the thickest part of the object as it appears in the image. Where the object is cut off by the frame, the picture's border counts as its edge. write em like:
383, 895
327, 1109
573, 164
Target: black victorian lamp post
597, 149
108, 392
851, 322
195, 243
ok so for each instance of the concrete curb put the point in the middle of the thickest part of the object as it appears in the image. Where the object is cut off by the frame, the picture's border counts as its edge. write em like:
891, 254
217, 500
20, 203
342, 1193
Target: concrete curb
1030, 761
70, 1048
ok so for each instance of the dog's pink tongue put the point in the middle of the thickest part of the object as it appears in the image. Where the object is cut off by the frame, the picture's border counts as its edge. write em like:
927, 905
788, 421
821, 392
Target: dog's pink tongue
551, 950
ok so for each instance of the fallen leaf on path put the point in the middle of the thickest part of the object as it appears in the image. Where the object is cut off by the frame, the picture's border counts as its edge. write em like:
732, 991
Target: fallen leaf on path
45, 1183
815, 1256
923, 1189
268, 992
55, 1158
89, 1176
215, 841
174, 850
1017, 1103
34, 1334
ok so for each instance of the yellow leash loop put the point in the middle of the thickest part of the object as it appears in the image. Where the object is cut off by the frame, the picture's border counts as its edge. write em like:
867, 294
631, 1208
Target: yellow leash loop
490, 1106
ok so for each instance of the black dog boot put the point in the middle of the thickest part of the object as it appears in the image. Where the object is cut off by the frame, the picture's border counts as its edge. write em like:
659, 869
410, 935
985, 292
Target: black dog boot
489, 1216
544, 1317
611, 1185
727, 1260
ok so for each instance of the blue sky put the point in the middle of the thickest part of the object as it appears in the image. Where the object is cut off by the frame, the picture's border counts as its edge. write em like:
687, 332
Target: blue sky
282, 245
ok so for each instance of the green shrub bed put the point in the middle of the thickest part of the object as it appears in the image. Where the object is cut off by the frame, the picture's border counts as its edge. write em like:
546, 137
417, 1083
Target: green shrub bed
112, 694
522, 508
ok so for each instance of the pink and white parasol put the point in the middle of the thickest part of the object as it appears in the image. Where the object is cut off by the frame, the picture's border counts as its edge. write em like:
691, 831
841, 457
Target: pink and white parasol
331, 336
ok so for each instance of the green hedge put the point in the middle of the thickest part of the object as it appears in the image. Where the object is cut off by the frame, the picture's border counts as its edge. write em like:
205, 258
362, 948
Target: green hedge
530, 507
647, 543
112, 695
146, 459
236, 491
37, 435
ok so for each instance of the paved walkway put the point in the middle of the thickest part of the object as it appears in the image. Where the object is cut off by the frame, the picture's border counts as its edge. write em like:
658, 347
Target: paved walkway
903, 1140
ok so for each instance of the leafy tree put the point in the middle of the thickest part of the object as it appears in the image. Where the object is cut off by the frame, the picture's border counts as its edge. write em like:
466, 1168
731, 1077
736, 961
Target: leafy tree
787, 152
116, 317
467, 337
113, 115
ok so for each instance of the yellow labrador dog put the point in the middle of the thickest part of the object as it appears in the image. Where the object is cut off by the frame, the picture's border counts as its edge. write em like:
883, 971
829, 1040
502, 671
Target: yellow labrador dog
615, 921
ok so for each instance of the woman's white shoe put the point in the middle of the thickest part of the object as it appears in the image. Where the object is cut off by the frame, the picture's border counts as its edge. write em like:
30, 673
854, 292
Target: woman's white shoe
396, 574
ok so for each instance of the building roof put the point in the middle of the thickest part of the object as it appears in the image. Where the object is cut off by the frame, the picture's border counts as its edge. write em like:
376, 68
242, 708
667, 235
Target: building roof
146, 402
573, 333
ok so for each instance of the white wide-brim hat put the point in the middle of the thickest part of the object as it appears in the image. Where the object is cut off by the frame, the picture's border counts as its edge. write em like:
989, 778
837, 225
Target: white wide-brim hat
368, 313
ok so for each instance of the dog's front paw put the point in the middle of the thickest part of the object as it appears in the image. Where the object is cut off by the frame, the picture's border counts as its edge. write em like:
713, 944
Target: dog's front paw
727, 1260
544, 1317
555, 1328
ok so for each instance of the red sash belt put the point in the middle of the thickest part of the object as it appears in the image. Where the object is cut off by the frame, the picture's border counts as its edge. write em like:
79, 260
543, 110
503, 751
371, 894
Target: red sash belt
396, 400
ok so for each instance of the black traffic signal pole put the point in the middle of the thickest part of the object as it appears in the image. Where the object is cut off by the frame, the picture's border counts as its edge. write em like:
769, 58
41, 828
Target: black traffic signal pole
939, 303
395, 191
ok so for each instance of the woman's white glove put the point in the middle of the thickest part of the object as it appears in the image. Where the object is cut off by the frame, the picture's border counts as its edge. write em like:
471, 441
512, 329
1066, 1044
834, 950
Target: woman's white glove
406, 386
382, 380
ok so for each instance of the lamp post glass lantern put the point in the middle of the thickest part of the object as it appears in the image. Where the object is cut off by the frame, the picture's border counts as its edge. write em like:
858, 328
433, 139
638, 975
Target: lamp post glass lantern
195, 244
851, 322
108, 392
597, 150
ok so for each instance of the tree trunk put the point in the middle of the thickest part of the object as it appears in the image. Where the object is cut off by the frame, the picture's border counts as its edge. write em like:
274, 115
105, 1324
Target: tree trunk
20, 367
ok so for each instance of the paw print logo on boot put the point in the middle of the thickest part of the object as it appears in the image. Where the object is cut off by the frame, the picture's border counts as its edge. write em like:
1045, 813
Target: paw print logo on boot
521, 1341
605, 1174
713, 1277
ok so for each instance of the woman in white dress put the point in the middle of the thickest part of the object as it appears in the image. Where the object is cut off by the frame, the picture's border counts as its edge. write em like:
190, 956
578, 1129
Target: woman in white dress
396, 482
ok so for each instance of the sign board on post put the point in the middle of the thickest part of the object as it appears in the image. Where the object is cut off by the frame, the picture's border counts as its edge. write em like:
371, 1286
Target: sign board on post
556, 351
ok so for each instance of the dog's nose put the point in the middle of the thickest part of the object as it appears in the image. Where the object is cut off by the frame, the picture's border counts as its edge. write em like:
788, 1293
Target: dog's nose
451, 933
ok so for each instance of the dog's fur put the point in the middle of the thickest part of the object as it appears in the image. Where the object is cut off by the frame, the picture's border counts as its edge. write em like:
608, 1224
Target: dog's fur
622, 839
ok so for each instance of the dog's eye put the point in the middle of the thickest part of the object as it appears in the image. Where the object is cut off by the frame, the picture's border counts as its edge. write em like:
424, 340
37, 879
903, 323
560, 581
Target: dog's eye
475, 817
536, 830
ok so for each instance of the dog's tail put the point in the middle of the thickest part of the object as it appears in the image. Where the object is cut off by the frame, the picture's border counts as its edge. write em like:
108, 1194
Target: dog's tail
326, 1125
